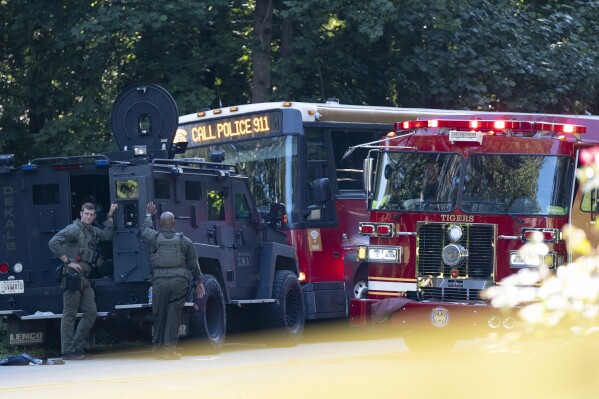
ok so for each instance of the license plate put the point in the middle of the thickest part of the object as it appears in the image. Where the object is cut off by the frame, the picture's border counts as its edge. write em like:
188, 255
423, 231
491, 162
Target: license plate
12, 287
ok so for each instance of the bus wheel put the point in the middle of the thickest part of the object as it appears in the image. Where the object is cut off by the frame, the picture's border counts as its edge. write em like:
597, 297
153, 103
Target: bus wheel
209, 319
285, 318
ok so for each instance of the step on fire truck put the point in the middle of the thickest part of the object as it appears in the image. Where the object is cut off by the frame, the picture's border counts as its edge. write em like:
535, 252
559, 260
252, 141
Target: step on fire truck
452, 201
250, 273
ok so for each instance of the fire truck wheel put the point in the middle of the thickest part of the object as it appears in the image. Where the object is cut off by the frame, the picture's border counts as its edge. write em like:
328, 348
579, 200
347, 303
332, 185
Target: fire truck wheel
360, 290
285, 317
423, 343
209, 319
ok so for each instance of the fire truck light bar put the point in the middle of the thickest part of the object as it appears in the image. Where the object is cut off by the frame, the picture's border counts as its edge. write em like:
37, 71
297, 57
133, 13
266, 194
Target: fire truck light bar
492, 125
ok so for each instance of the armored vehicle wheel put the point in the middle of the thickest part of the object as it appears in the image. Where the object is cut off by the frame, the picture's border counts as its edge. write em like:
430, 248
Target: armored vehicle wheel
286, 316
209, 318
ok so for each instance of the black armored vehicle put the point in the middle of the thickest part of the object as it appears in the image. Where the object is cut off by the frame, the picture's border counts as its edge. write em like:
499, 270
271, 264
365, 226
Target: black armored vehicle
250, 274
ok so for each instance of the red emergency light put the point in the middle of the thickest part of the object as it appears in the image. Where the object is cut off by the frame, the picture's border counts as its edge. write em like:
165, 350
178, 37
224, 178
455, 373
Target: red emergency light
383, 229
4, 268
541, 235
367, 229
376, 229
492, 125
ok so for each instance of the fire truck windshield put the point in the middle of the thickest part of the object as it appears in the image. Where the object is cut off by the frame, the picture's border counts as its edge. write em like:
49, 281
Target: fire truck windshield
269, 163
517, 184
490, 183
422, 181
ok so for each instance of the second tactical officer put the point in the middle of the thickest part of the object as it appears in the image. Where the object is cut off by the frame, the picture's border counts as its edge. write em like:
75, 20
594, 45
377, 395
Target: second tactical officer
173, 260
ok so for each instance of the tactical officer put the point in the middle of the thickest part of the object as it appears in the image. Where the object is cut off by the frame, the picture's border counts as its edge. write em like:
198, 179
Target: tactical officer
76, 246
173, 260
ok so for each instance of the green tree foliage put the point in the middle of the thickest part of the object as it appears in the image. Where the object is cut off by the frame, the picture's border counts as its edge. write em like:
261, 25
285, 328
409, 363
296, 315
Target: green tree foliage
62, 63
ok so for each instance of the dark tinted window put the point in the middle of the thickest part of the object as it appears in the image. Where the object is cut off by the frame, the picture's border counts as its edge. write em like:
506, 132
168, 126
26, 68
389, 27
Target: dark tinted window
242, 209
162, 189
45, 194
193, 190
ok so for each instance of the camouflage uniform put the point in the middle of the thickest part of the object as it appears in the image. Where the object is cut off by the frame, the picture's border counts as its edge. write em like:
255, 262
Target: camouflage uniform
78, 242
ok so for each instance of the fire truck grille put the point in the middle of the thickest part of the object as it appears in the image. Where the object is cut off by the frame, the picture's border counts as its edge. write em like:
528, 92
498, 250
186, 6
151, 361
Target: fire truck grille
477, 239
451, 294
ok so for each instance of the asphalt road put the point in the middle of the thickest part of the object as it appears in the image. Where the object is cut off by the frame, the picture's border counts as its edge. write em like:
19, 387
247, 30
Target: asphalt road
329, 363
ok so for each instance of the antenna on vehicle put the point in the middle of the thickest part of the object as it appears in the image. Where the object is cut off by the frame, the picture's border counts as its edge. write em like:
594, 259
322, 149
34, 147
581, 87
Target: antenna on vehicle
370, 144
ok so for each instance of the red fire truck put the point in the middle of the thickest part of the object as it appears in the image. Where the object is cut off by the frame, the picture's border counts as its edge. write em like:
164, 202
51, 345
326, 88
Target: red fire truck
453, 199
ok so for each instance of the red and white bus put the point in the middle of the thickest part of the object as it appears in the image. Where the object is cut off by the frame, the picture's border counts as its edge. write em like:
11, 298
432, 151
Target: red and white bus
292, 154
453, 199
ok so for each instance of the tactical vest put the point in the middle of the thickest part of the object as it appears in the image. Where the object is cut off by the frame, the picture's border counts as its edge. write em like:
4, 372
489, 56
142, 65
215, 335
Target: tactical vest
88, 246
169, 251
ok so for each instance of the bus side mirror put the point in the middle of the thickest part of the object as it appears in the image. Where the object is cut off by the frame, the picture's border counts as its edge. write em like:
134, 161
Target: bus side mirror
178, 148
277, 216
255, 218
321, 190
367, 174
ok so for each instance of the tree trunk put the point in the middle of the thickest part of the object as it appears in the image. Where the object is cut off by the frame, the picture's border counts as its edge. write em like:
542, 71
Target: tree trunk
261, 59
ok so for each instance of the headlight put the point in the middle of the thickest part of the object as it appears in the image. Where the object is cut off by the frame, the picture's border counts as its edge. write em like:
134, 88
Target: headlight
531, 260
18, 267
140, 150
383, 254
454, 254
455, 233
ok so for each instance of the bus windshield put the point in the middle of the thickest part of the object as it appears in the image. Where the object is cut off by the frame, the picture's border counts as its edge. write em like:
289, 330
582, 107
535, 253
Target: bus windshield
517, 184
422, 181
269, 163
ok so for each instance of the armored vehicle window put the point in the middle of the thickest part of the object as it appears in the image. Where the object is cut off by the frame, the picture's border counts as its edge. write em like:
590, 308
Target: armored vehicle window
45, 194
128, 188
162, 189
216, 205
242, 209
193, 190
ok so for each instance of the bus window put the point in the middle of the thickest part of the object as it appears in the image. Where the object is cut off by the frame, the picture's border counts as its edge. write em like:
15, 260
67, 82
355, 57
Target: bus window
316, 168
314, 171
349, 170
270, 163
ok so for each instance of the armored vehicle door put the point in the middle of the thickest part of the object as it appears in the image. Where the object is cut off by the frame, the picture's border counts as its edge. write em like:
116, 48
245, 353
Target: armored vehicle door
222, 234
247, 238
41, 199
130, 188
47, 194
